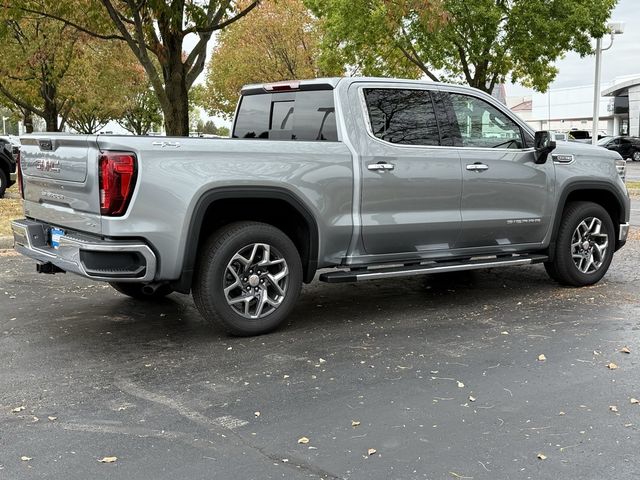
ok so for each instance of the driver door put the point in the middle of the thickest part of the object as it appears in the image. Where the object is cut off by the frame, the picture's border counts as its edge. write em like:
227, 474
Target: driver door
507, 199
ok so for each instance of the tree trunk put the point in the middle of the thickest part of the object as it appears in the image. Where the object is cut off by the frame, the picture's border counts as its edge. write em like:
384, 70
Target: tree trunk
176, 117
49, 95
176, 113
27, 120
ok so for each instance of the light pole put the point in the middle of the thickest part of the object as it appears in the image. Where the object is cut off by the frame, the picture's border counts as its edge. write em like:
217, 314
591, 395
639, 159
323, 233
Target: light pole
4, 125
615, 28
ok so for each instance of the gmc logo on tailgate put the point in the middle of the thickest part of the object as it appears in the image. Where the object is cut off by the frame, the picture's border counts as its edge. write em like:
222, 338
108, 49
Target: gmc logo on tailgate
47, 165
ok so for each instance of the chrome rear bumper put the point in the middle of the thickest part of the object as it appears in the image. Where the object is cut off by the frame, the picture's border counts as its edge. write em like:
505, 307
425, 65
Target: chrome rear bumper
87, 255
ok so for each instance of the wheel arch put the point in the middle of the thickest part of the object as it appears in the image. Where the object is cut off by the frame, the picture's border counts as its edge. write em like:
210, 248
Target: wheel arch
601, 193
293, 217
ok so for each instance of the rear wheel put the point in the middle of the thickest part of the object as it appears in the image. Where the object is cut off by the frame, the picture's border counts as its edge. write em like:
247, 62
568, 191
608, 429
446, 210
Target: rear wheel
636, 156
248, 278
136, 290
584, 246
4, 181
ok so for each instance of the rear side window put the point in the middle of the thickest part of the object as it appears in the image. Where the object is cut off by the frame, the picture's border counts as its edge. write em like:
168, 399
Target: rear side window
303, 115
406, 117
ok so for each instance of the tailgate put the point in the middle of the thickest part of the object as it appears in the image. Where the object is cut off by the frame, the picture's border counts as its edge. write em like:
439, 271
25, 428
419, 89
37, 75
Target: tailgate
60, 180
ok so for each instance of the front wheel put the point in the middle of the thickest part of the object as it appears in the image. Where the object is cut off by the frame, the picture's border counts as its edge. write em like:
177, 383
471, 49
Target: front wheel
636, 156
248, 278
584, 246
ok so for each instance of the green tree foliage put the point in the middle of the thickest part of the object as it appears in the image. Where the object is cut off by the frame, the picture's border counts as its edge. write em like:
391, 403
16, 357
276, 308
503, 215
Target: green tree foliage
280, 41
36, 56
49, 69
142, 112
155, 31
479, 42
104, 83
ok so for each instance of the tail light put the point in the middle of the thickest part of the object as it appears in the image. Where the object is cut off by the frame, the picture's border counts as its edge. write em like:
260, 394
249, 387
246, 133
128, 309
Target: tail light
117, 171
19, 170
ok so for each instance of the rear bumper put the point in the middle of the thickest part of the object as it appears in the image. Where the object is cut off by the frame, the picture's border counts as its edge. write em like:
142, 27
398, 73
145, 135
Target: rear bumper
87, 255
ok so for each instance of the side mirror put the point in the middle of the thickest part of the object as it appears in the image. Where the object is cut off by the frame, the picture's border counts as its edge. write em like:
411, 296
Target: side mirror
544, 145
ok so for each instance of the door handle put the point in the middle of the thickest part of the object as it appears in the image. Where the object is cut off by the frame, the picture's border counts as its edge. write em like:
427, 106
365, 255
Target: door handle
477, 167
381, 166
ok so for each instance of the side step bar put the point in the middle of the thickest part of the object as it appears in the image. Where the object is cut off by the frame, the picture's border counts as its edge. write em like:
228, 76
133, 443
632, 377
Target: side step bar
359, 275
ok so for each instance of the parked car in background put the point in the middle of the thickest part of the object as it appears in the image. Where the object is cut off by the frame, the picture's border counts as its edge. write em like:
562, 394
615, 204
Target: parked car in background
9, 152
561, 137
580, 136
627, 147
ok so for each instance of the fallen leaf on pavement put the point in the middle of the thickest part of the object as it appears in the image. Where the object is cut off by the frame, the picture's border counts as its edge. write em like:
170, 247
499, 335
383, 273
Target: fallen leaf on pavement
541, 357
472, 398
303, 440
613, 408
460, 384
542, 456
257, 414
24, 458
625, 350
18, 409
355, 423
457, 475
634, 401
371, 451
108, 459
612, 366
322, 360
504, 333
561, 413
52, 418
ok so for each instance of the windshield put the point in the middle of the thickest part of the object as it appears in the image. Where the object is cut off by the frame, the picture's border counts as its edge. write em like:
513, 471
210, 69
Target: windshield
604, 141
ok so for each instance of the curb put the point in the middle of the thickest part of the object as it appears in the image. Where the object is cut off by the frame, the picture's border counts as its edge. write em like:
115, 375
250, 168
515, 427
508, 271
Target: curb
6, 242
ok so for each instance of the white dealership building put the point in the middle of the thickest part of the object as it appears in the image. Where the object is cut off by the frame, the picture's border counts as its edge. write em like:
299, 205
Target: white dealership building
564, 109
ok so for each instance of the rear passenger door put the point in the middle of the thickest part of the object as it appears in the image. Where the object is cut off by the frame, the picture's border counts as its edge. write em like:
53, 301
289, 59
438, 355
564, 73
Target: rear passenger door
507, 199
411, 174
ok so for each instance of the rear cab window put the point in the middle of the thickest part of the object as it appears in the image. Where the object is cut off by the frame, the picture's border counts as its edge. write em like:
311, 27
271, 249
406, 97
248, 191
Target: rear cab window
305, 115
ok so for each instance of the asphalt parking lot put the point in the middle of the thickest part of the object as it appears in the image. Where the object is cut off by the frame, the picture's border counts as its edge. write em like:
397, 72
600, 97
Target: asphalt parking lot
439, 375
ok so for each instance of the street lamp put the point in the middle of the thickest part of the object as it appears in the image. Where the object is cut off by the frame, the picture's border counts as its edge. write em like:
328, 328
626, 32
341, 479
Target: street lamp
615, 28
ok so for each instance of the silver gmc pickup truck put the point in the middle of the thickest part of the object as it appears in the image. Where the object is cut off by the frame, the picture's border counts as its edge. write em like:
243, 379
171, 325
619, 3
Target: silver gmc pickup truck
365, 178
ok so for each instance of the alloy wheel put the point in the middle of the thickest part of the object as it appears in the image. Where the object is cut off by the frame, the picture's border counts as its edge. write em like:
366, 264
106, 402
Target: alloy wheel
589, 245
256, 280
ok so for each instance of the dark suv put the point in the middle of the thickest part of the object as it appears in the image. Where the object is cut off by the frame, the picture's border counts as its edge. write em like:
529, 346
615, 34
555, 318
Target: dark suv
627, 147
8, 158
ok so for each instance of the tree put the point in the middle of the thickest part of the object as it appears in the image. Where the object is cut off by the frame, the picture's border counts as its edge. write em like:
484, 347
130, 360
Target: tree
155, 31
102, 81
279, 42
142, 112
480, 42
36, 56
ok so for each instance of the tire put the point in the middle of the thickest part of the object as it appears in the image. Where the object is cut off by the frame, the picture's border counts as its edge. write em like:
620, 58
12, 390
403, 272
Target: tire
237, 289
584, 245
4, 181
635, 156
134, 290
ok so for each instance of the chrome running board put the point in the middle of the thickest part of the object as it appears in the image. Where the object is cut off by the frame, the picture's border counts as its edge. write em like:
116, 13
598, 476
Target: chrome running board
358, 275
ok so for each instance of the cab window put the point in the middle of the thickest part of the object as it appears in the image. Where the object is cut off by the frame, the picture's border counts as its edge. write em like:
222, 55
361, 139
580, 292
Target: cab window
483, 125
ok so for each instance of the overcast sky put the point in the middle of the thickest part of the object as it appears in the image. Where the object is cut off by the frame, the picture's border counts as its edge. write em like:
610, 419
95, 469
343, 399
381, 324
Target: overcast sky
622, 59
